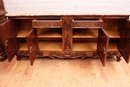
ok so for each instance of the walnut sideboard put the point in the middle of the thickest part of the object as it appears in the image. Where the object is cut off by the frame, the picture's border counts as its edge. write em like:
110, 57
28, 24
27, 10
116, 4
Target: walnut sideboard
67, 36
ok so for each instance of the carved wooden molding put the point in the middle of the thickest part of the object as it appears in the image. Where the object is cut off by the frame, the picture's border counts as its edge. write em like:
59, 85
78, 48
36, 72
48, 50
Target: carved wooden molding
80, 55
111, 54
67, 33
55, 54
70, 54
45, 24
22, 53
87, 24
67, 44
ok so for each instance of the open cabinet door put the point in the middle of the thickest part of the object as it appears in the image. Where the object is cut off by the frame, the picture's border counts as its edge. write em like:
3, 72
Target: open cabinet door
32, 43
125, 43
102, 45
9, 39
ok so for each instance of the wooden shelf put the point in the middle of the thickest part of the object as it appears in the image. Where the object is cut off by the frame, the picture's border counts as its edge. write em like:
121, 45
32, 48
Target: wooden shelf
50, 33
84, 46
113, 33
22, 34
85, 33
50, 45
23, 46
112, 46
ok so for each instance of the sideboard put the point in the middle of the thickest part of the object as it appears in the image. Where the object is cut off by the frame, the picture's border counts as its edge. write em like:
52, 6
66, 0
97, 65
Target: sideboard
67, 36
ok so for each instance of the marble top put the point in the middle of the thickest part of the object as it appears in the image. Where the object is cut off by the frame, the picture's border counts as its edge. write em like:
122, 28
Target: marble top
79, 10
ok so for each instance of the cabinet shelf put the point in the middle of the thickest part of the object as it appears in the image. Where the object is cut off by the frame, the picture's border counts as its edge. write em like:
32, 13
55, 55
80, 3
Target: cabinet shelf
85, 33
22, 33
84, 46
23, 46
50, 45
112, 47
112, 33
50, 33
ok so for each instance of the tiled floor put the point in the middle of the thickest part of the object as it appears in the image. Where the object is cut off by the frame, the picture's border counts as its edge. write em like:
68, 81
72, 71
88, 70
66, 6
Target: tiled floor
64, 73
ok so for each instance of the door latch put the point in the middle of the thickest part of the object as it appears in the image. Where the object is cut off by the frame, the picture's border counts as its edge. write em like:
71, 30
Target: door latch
30, 49
6, 42
104, 50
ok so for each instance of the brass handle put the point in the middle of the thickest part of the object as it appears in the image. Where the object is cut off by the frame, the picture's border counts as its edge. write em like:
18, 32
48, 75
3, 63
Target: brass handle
31, 49
104, 50
6, 42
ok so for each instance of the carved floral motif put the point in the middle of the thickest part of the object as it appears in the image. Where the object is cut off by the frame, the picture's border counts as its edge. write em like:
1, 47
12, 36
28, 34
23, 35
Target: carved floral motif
87, 24
46, 24
67, 43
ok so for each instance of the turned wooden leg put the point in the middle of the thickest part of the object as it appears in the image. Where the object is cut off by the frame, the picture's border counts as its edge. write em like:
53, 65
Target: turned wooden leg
118, 59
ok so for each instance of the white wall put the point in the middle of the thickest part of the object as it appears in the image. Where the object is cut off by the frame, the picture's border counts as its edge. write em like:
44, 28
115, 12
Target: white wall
12, 5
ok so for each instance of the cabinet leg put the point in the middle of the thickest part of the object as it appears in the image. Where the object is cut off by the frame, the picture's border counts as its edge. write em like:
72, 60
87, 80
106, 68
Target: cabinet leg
18, 58
118, 59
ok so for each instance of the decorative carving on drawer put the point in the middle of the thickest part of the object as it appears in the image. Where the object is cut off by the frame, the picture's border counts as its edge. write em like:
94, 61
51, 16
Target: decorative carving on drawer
46, 24
87, 24
67, 43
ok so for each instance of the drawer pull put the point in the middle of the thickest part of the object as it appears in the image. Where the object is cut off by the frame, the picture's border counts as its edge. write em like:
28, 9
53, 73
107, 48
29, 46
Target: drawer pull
6, 42
31, 49
104, 50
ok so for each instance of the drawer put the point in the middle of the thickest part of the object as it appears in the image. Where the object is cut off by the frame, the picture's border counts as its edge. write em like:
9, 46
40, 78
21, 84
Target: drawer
87, 23
46, 23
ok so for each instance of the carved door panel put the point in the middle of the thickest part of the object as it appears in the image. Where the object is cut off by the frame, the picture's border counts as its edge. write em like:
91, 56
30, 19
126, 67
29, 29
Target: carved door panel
125, 43
32, 43
9, 39
102, 45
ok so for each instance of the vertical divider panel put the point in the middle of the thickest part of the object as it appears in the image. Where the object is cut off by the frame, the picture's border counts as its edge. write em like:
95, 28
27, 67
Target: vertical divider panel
67, 33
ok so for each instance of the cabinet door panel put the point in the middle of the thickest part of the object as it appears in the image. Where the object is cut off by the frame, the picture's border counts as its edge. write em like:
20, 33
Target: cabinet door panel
32, 43
125, 43
9, 39
102, 45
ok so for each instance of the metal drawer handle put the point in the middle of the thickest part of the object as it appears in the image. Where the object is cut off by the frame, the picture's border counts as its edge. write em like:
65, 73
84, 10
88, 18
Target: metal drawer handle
6, 42
31, 49
104, 50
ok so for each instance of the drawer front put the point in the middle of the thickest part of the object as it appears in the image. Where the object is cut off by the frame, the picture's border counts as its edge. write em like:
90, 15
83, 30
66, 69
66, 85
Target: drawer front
46, 23
87, 24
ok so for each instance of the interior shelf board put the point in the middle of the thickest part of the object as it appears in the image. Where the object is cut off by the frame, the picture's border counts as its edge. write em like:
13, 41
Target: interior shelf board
84, 46
23, 46
112, 47
22, 33
85, 33
50, 45
112, 33
49, 33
